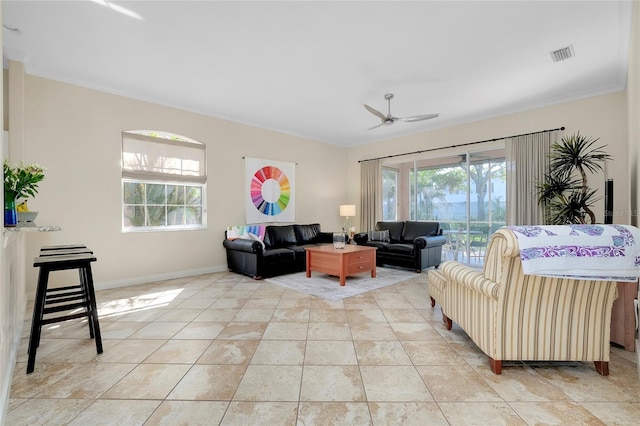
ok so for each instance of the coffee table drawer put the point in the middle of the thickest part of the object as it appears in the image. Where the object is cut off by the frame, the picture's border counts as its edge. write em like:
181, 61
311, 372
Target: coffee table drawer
354, 268
359, 257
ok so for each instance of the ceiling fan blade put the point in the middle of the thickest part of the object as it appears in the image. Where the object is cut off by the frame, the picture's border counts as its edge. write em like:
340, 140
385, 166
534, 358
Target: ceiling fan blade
375, 127
418, 118
375, 112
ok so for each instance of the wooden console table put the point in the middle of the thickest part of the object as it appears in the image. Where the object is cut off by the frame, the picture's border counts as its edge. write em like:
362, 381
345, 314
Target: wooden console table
623, 319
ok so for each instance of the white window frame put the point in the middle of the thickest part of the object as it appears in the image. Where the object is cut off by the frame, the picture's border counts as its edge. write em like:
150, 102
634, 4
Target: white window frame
154, 157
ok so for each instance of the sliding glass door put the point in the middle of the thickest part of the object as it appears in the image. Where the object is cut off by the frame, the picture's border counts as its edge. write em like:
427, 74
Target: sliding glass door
466, 193
487, 202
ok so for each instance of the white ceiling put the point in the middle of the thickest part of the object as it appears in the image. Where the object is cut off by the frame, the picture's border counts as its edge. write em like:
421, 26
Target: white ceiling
307, 68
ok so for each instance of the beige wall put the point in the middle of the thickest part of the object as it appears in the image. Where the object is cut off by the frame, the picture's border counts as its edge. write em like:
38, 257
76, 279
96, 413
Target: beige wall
601, 116
76, 134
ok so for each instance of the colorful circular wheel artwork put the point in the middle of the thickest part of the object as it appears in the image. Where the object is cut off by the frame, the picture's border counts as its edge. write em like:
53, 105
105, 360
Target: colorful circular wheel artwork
270, 190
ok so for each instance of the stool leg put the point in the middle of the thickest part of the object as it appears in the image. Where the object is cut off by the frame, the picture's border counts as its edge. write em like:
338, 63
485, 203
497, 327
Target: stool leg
83, 283
36, 322
94, 309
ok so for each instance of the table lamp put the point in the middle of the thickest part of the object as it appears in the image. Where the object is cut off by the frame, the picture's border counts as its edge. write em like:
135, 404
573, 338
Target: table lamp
347, 211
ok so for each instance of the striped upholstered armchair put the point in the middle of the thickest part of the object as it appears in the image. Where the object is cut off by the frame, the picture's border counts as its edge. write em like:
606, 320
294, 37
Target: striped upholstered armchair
513, 316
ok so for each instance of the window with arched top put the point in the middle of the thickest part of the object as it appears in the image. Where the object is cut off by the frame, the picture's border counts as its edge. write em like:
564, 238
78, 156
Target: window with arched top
163, 181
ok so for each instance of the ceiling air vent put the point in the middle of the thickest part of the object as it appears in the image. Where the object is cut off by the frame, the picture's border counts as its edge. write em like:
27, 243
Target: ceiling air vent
562, 54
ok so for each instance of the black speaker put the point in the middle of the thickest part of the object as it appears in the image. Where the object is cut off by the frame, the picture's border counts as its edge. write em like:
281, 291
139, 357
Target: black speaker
608, 201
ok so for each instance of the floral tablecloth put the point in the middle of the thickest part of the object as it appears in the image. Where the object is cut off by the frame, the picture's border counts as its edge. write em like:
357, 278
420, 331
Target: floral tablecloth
600, 252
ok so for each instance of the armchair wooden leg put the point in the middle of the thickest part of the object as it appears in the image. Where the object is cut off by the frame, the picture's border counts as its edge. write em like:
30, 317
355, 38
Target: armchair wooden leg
433, 302
602, 367
496, 366
447, 322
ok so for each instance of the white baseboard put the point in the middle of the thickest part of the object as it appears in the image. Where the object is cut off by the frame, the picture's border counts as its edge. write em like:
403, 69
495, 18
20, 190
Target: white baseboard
104, 285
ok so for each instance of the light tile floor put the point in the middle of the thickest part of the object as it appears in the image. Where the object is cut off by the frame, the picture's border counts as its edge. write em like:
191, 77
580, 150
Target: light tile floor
225, 349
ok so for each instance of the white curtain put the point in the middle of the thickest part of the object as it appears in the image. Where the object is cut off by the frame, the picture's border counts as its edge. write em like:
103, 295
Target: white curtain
371, 193
527, 159
151, 158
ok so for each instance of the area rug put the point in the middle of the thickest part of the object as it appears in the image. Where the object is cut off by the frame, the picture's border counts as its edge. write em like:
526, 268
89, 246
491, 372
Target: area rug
328, 287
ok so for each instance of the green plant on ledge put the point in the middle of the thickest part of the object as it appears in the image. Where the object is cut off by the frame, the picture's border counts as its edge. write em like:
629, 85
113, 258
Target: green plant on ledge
566, 196
21, 181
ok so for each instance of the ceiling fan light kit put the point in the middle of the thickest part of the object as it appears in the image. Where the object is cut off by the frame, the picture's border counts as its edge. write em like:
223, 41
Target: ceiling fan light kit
388, 120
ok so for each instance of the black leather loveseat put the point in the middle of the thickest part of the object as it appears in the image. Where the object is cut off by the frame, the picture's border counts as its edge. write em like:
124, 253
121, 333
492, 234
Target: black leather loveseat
282, 251
410, 244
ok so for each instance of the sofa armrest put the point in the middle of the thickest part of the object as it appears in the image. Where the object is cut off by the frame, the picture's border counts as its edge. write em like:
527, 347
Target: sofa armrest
325, 237
470, 278
428, 242
361, 238
243, 244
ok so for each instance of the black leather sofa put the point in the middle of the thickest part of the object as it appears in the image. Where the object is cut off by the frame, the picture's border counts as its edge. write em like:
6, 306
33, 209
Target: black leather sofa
411, 244
283, 251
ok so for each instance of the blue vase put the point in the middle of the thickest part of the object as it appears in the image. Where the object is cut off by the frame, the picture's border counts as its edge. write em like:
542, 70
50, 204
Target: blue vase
10, 214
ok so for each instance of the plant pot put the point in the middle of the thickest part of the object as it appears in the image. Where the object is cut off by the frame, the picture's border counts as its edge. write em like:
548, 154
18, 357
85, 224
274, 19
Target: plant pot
10, 214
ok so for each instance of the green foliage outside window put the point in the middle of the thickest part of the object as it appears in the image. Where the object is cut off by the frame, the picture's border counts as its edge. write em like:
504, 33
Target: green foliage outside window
389, 194
161, 205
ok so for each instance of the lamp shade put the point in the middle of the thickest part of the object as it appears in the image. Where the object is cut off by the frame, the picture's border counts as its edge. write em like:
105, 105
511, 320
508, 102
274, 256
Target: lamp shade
347, 210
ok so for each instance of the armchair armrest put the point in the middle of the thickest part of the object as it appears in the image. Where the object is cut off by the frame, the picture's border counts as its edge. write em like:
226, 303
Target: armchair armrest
470, 278
243, 244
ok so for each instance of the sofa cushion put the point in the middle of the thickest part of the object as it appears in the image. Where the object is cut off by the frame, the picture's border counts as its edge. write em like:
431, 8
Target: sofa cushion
300, 253
404, 249
307, 234
395, 230
380, 245
279, 256
414, 229
279, 237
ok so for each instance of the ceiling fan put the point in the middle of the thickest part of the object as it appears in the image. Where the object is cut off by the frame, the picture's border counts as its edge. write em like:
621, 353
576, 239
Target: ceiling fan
388, 120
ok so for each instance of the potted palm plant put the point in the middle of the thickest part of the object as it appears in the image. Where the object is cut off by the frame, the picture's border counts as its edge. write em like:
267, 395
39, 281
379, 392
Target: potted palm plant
565, 193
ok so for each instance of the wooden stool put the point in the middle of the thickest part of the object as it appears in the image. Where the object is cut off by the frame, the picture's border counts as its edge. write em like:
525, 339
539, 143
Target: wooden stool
76, 290
61, 299
63, 250
62, 247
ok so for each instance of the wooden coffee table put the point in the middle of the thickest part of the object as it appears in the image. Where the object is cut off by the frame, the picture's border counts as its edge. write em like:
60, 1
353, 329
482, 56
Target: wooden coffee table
349, 260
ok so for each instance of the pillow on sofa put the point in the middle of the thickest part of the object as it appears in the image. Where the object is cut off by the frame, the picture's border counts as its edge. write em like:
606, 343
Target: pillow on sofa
379, 235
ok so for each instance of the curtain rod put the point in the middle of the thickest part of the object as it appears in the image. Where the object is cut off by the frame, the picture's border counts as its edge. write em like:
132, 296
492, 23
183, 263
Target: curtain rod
462, 144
